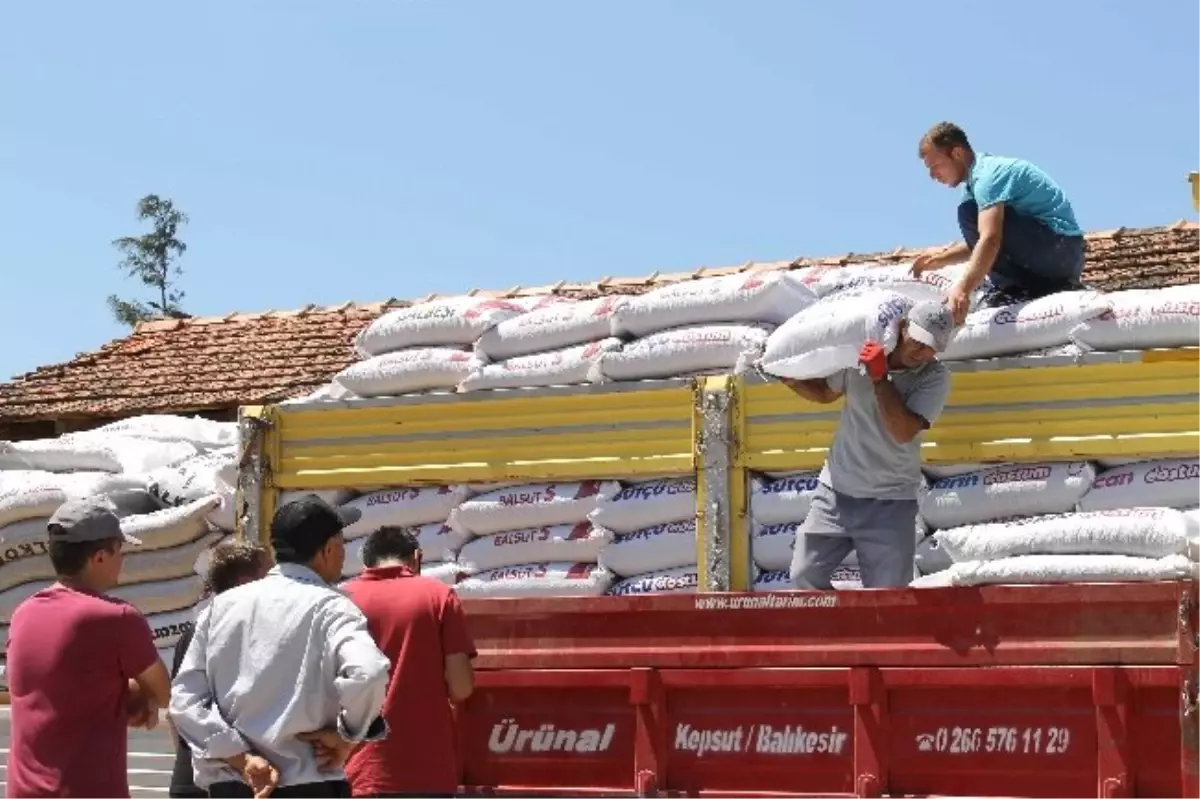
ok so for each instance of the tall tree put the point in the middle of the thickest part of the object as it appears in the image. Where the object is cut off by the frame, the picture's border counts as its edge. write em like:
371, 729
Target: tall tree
152, 259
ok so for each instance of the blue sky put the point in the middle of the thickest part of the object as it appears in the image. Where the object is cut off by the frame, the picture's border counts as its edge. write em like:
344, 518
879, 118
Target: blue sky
362, 150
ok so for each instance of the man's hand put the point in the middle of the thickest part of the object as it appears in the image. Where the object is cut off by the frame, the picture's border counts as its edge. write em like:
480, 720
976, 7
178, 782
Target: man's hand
258, 773
874, 360
140, 709
926, 262
959, 301
331, 749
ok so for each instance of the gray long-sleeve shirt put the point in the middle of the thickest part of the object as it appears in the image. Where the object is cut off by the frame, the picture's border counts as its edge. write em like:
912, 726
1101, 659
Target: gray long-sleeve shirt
270, 659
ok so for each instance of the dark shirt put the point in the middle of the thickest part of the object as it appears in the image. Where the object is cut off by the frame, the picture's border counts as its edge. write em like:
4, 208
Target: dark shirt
182, 783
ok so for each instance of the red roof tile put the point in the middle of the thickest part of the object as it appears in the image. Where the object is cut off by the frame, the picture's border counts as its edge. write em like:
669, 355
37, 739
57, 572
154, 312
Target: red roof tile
249, 358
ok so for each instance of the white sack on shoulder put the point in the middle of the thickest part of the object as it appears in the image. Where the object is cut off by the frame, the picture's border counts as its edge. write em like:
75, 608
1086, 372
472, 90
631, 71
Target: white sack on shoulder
552, 327
403, 507
537, 580
1017, 489
539, 505
1171, 483
443, 322
1036, 324
663, 546
578, 543
686, 351
769, 297
1142, 319
1139, 532
1044, 569
197, 431
684, 580
644, 504
785, 499
826, 337
408, 372
565, 367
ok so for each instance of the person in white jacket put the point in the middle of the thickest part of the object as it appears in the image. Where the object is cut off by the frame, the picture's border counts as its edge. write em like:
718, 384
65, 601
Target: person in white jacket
282, 678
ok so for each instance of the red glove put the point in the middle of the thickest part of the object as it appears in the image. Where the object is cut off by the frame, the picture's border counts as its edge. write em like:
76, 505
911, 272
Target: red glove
873, 360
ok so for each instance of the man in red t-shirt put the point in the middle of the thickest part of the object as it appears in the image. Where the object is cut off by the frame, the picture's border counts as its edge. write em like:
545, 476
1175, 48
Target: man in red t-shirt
419, 624
81, 665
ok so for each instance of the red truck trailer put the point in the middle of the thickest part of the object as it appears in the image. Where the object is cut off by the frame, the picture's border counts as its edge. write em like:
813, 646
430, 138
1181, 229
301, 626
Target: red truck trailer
1069, 690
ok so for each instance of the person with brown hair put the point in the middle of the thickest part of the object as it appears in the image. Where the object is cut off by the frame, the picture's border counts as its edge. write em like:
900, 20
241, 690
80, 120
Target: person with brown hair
282, 677
230, 564
1019, 229
81, 665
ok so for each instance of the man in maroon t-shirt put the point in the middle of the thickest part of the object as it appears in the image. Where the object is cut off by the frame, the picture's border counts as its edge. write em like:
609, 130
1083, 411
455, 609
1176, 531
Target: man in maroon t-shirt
419, 624
81, 666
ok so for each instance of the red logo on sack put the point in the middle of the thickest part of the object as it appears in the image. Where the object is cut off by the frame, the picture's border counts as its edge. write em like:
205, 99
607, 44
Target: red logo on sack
487, 305
606, 306
580, 571
588, 488
580, 531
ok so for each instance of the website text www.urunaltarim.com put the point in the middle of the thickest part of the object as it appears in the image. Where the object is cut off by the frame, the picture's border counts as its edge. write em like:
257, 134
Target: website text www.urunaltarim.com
766, 601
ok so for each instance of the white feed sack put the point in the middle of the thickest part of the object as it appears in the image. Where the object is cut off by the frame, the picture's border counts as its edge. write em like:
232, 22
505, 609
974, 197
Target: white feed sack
844, 578
93, 451
202, 433
158, 597
936, 471
553, 327
1151, 484
931, 286
334, 496
1016, 489
578, 543
662, 546
1036, 324
645, 504
1140, 532
409, 372
1143, 319
537, 580
826, 337
785, 499
687, 351
211, 474
565, 367
171, 527
451, 321
525, 506
33, 494
447, 573
768, 297
772, 545
683, 580
168, 628
1046, 569
404, 507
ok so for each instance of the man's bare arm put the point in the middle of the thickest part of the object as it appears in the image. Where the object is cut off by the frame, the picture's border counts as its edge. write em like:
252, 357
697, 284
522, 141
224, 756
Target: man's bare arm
817, 390
902, 424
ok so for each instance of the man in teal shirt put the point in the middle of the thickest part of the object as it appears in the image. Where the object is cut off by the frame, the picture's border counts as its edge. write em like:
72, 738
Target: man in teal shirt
1019, 229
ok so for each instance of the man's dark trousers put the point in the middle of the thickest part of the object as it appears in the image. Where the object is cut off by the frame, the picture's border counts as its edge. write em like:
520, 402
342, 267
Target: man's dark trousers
1033, 260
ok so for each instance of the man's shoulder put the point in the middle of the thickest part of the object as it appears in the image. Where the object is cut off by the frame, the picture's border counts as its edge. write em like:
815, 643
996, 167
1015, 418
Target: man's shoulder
933, 372
52, 601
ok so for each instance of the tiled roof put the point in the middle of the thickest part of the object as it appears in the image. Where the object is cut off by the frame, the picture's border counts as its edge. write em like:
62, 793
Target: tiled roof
241, 359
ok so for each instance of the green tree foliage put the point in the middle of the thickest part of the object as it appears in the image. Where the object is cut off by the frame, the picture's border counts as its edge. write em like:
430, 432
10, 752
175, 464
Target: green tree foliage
152, 258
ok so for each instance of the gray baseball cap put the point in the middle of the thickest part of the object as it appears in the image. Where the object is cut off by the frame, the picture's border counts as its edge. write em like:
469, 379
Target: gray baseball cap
932, 324
90, 519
